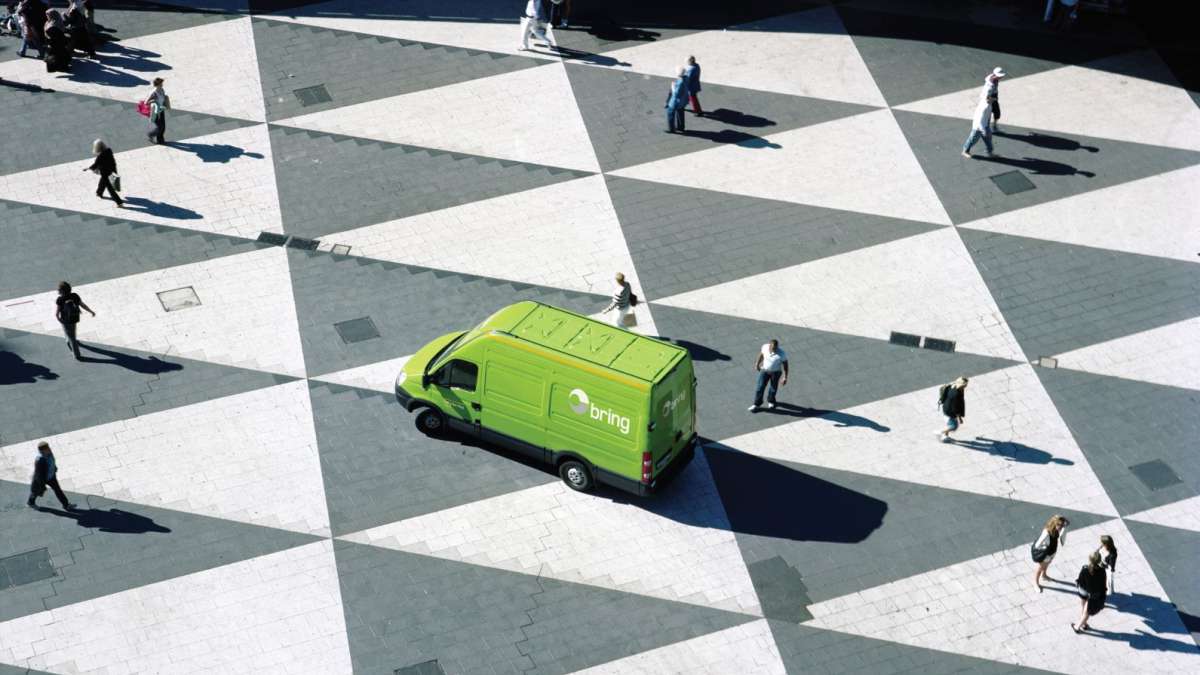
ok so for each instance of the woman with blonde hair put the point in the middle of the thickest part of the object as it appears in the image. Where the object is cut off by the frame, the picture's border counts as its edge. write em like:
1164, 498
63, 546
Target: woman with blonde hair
1046, 546
105, 164
1092, 589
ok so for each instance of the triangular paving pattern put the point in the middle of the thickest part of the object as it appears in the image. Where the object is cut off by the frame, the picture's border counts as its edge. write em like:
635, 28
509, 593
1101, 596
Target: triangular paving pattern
1166, 355
564, 235
723, 237
858, 530
43, 242
379, 181
1142, 216
208, 458
875, 171
1057, 297
1183, 514
1058, 166
354, 67
237, 295
693, 558
528, 115
1171, 554
252, 614
379, 468
507, 620
173, 185
625, 119
746, 648
938, 610
209, 68
1120, 424
762, 55
828, 369
1012, 445
1132, 86
380, 376
48, 392
922, 285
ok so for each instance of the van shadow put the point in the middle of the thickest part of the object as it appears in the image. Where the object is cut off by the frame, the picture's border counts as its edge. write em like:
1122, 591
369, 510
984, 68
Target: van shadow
114, 521
1014, 452
151, 365
16, 370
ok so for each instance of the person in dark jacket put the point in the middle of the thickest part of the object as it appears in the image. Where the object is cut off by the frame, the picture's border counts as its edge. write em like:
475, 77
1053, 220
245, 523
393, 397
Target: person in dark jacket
953, 401
33, 20
1092, 586
1108, 560
81, 36
105, 164
58, 53
45, 473
693, 78
67, 309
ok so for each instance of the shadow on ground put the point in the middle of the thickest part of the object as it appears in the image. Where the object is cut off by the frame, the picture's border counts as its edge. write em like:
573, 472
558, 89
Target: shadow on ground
139, 364
114, 521
16, 370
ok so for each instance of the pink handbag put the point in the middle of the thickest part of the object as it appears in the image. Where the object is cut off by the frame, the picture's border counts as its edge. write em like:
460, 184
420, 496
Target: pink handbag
143, 109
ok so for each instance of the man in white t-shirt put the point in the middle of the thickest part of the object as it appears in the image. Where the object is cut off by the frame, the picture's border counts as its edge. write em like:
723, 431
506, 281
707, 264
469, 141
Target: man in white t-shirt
772, 367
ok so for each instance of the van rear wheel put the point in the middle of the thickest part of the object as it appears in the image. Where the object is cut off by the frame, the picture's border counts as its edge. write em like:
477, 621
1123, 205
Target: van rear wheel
576, 475
431, 422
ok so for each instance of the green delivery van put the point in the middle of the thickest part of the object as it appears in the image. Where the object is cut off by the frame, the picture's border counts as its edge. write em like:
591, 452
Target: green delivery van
599, 403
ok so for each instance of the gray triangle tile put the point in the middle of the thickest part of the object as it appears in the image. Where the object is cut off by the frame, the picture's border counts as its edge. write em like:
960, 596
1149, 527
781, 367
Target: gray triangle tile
830, 371
1120, 424
355, 67
1058, 166
1059, 297
810, 534
379, 181
408, 305
721, 237
46, 391
108, 546
1172, 554
473, 619
624, 116
43, 246
6, 669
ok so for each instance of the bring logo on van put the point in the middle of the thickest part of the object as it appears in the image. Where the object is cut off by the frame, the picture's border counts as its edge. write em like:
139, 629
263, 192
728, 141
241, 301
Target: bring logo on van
671, 404
582, 405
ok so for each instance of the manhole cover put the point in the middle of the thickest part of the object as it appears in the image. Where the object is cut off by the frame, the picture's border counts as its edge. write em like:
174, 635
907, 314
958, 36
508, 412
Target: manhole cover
179, 298
1013, 182
303, 244
905, 339
1047, 361
357, 330
26, 568
939, 345
1155, 474
313, 95
341, 249
272, 238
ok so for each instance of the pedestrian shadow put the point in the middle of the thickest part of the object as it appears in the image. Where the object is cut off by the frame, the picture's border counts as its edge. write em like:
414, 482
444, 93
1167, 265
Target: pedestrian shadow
1046, 141
214, 152
16, 370
31, 88
732, 137
1037, 166
737, 119
1012, 451
607, 30
840, 419
151, 365
588, 57
1161, 618
114, 521
699, 352
160, 209
96, 72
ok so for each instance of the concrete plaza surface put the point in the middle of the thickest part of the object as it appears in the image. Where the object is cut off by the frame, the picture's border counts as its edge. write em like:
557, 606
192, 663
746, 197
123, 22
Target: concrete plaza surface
252, 498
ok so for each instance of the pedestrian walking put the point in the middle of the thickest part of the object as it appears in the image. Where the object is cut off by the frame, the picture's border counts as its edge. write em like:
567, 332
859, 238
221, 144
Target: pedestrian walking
1108, 560
980, 128
45, 474
67, 312
952, 399
77, 25
693, 78
772, 368
623, 300
159, 104
105, 164
560, 12
536, 23
677, 98
32, 14
1093, 590
991, 87
58, 45
1042, 551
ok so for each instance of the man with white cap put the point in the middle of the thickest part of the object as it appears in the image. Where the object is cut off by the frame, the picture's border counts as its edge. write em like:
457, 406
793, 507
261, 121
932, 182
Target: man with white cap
536, 22
991, 88
980, 127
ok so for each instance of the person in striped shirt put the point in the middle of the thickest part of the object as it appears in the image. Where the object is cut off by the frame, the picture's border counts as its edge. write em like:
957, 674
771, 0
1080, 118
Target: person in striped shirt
622, 301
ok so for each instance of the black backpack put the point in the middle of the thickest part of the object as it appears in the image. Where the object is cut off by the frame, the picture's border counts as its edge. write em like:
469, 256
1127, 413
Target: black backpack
70, 311
942, 392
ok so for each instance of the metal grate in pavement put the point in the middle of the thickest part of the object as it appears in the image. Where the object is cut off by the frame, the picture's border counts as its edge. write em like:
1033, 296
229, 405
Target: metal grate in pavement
272, 238
341, 249
26, 568
179, 298
313, 95
1155, 474
1046, 362
303, 244
426, 668
939, 345
357, 330
905, 339
1012, 182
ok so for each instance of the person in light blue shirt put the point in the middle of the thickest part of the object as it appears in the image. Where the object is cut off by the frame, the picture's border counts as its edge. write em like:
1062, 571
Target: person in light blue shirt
677, 98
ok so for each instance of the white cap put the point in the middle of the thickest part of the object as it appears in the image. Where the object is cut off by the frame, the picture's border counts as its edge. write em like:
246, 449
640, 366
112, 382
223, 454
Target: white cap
998, 71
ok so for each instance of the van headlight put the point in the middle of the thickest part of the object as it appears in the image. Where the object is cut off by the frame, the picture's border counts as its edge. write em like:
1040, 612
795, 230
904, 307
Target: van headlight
401, 377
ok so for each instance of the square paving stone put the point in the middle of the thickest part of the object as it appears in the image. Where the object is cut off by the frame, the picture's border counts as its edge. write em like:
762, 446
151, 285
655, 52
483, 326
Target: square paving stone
26, 568
357, 330
1156, 474
313, 95
1012, 182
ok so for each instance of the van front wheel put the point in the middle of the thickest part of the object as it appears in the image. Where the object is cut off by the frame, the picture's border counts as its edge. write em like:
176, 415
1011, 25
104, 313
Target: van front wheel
576, 475
431, 422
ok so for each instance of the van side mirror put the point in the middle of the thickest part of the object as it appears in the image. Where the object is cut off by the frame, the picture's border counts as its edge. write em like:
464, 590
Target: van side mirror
425, 381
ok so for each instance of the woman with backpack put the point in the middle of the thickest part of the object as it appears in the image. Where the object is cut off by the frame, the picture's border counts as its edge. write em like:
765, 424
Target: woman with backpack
1046, 546
105, 164
67, 312
1092, 586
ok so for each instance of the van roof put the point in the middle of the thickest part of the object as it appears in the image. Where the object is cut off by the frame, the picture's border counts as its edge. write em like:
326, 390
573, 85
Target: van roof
587, 339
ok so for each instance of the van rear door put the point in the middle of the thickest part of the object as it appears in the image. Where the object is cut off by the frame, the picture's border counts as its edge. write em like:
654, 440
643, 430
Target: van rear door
672, 413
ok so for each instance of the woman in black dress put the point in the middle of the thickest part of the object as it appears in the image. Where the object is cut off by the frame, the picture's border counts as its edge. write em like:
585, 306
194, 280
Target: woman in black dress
1108, 560
1092, 586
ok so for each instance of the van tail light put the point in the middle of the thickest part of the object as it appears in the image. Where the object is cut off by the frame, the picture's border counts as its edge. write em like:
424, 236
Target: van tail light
647, 467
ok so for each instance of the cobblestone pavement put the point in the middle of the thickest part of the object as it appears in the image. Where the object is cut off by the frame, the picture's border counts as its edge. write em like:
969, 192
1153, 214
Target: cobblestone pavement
252, 499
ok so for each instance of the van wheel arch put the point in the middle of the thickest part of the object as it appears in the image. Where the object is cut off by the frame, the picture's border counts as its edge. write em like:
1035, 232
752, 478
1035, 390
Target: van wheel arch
576, 472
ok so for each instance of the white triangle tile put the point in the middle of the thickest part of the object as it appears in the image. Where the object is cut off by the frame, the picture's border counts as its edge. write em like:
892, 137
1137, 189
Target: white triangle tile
1168, 355
682, 550
1120, 97
502, 34
528, 115
211, 68
746, 648
1144, 216
251, 458
859, 163
988, 608
1184, 515
172, 186
245, 617
247, 317
379, 376
1012, 445
802, 54
925, 285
